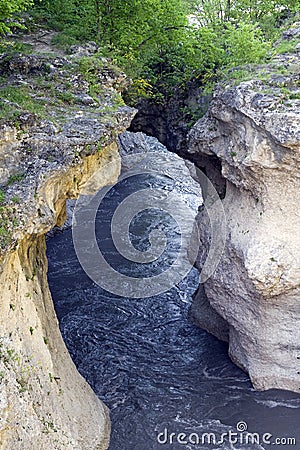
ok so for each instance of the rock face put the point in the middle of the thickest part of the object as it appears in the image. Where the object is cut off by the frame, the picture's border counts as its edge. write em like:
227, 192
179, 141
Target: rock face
253, 298
170, 120
47, 157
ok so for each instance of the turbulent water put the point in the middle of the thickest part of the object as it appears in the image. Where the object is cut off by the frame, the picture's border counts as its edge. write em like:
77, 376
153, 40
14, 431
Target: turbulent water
158, 373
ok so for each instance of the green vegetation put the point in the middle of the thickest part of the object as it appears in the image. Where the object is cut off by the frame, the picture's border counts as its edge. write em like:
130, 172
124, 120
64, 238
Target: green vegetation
14, 99
7, 221
14, 178
2, 197
8, 10
162, 45
23, 383
287, 46
294, 95
10, 47
158, 45
7, 355
267, 14
54, 96
49, 427
16, 199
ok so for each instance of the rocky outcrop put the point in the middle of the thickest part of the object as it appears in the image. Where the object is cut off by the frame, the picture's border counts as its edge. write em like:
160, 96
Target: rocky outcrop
51, 142
253, 298
170, 117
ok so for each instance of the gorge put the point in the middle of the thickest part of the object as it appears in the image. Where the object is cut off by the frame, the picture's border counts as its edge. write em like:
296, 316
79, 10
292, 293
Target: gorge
155, 369
251, 139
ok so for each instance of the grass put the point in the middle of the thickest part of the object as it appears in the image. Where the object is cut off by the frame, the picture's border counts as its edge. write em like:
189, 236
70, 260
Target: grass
239, 74
16, 199
265, 74
2, 197
64, 41
53, 97
17, 95
15, 99
5, 234
10, 48
294, 95
35, 98
7, 355
14, 178
8, 221
90, 67
286, 47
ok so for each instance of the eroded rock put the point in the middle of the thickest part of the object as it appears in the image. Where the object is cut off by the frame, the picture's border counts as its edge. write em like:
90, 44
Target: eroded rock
254, 130
45, 159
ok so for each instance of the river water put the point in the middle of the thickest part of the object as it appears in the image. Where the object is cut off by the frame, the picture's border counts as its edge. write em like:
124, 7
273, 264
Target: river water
158, 373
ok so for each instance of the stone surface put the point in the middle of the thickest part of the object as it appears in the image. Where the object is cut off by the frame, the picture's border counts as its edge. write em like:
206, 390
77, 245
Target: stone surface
292, 32
86, 49
170, 120
46, 159
205, 316
253, 128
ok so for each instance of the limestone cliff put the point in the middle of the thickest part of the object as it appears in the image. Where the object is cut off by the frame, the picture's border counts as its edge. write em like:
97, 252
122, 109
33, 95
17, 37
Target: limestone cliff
253, 297
58, 127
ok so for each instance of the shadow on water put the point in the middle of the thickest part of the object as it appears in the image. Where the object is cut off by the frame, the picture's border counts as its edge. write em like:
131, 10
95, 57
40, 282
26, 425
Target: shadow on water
143, 357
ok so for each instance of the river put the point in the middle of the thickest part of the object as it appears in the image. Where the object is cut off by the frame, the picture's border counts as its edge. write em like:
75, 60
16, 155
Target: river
158, 373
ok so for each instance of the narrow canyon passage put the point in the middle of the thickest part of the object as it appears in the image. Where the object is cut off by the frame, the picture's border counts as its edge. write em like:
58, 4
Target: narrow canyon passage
157, 372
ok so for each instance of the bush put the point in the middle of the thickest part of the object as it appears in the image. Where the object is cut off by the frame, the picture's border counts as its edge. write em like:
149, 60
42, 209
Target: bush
8, 9
153, 41
244, 43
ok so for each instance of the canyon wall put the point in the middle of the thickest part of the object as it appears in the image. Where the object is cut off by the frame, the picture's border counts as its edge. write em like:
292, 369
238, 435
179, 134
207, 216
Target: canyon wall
253, 298
45, 159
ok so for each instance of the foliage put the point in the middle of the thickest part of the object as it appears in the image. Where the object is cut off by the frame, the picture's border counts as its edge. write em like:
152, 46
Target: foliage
8, 9
14, 178
156, 43
163, 44
14, 99
2, 197
268, 14
244, 44
287, 46
12, 47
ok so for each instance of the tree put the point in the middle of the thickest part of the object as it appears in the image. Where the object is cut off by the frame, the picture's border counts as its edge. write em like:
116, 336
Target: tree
155, 42
265, 13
